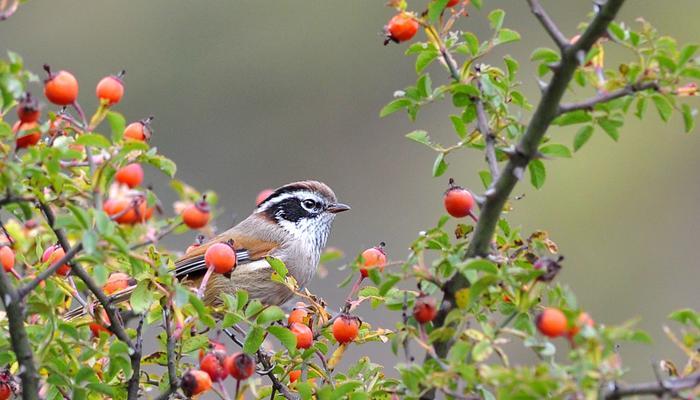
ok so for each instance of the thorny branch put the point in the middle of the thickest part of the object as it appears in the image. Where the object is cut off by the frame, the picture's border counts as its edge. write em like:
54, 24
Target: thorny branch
606, 97
660, 388
548, 24
173, 381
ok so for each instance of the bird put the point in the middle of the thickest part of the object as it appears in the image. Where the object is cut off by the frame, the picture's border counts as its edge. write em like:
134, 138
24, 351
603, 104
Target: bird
292, 224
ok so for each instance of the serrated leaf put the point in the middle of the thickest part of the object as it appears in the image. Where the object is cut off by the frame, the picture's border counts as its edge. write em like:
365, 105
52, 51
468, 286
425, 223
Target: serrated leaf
424, 59
555, 150
142, 298
93, 140
253, 340
270, 314
472, 43
419, 136
582, 136
459, 126
496, 18
610, 127
394, 106
285, 336
537, 173
663, 106
277, 265
571, 118
440, 166
117, 123
545, 55
687, 53
506, 36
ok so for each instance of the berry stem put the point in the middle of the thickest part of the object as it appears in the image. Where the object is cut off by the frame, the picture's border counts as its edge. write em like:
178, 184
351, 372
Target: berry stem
353, 291
205, 280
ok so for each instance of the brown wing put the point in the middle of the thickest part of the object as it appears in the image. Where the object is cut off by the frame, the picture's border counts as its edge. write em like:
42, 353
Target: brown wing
192, 265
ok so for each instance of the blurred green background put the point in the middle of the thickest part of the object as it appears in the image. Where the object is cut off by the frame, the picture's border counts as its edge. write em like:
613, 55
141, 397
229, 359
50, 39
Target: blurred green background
251, 94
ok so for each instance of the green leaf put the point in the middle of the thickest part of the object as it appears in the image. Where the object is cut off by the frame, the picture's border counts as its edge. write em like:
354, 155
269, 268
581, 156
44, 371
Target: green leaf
419, 136
506, 36
93, 139
482, 351
472, 42
256, 336
435, 8
285, 336
424, 59
480, 264
486, 178
686, 316
545, 55
90, 241
582, 136
555, 150
117, 123
278, 266
571, 118
537, 173
440, 166
687, 53
496, 18
610, 127
688, 117
142, 298
459, 126
617, 32
663, 106
270, 314
394, 106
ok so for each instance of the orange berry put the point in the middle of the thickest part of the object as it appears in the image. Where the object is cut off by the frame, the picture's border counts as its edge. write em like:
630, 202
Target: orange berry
452, 3
130, 175
299, 314
262, 196
425, 309
7, 258
213, 364
458, 201
240, 365
96, 328
196, 215
110, 88
28, 109
551, 322
53, 254
221, 256
60, 88
214, 345
400, 28
30, 134
346, 328
140, 130
124, 211
294, 375
5, 391
117, 281
194, 382
583, 320
374, 257
305, 337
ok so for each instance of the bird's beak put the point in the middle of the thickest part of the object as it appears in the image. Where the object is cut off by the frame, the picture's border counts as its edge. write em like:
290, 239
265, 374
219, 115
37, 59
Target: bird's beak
337, 207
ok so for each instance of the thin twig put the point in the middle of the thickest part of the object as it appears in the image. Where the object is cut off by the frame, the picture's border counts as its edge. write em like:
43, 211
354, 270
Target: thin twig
482, 123
606, 97
548, 24
173, 381
658, 388
158, 237
133, 387
15, 311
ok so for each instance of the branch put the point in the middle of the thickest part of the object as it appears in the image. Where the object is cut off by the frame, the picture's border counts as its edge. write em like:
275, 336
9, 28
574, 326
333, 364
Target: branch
116, 325
14, 307
549, 25
657, 388
606, 97
157, 237
524, 152
133, 388
26, 289
173, 382
482, 123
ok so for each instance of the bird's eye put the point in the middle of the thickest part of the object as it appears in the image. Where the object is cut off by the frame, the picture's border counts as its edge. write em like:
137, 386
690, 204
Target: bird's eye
309, 204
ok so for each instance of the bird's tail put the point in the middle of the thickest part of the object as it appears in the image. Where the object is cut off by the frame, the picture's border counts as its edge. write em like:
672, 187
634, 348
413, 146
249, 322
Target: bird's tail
116, 298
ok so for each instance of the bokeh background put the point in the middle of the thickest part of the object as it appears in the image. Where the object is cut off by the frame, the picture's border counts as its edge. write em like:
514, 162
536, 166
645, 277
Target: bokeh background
251, 94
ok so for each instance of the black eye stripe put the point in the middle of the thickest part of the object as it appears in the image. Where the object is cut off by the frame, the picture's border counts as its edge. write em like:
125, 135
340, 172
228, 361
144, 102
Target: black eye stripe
289, 209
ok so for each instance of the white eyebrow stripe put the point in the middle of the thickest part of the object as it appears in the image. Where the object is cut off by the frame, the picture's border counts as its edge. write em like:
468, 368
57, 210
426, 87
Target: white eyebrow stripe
298, 194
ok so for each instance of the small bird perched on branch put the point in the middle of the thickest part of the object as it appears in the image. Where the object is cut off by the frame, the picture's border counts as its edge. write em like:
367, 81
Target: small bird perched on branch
291, 224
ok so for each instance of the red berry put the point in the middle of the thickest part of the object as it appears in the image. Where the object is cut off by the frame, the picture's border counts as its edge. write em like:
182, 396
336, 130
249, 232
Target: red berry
196, 215
262, 196
221, 256
140, 130
346, 328
110, 88
213, 364
194, 382
240, 365
458, 201
28, 109
294, 375
583, 320
305, 337
374, 257
61, 88
401, 27
130, 175
116, 282
452, 3
213, 346
128, 211
7, 258
552, 322
299, 314
53, 254
96, 328
425, 309
28, 134
5, 391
